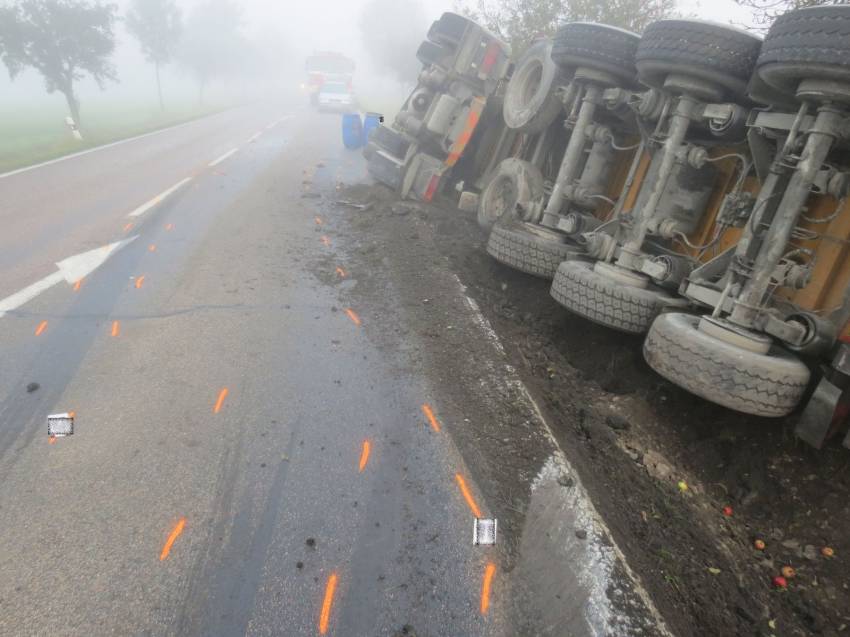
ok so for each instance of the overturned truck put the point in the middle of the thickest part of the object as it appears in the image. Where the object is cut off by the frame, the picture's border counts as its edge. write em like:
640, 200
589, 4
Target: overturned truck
450, 111
689, 185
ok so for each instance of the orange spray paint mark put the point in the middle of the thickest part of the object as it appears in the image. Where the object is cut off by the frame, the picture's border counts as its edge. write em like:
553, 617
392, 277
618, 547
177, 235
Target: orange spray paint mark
40, 329
325, 617
435, 425
364, 455
467, 496
176, 531
128, 227
221, 396
341, 272
51, 440
325, 240
139, 282
152, 248
77, 285
72, 414
489, 572
318, 221
169, 226
116, 328
353, 316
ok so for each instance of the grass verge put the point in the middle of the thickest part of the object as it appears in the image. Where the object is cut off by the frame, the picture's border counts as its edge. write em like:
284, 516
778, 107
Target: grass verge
32, 135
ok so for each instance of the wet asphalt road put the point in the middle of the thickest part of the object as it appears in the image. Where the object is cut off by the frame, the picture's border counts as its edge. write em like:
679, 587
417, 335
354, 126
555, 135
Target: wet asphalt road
261, 444
218, 480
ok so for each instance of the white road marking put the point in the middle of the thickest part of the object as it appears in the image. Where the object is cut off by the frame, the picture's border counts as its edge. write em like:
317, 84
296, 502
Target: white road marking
216, 162
278, 121
158, 199
70, 270
254, 137
104, 147
17, 299
513, 387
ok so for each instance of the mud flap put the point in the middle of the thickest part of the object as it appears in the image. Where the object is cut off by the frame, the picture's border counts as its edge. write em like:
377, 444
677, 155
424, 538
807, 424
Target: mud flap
823, 415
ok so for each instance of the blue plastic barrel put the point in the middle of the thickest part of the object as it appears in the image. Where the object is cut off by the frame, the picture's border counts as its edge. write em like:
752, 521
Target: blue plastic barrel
352, 131
370, 121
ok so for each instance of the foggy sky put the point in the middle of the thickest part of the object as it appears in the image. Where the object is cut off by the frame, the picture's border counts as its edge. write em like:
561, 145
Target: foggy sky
306, 25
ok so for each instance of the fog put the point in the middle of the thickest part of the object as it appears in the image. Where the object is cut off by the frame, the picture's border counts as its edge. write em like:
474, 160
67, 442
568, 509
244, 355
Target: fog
281, 35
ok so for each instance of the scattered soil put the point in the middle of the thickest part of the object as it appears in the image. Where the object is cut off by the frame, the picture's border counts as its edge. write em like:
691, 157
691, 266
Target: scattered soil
659, 463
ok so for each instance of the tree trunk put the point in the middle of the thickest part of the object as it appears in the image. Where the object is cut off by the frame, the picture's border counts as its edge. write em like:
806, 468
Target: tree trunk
158, 86
73, 105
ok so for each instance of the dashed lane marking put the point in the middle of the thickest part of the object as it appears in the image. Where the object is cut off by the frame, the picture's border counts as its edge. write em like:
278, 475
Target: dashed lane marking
218, 160
175, 532
138, 212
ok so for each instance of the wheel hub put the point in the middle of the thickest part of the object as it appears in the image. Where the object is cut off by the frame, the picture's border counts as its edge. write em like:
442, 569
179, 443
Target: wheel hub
728, 332
622, 275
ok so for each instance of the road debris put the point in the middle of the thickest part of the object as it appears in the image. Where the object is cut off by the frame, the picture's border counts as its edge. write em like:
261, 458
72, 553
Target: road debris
353, 204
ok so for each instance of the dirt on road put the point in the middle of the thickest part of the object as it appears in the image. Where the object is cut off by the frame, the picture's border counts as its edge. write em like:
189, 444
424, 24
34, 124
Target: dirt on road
686, 487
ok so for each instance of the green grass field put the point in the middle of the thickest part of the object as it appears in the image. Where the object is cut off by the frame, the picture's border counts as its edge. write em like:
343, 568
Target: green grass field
35, 134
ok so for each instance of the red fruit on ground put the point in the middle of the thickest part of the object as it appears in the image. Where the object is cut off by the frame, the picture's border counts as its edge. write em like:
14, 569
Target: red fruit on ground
780, 582
727, 511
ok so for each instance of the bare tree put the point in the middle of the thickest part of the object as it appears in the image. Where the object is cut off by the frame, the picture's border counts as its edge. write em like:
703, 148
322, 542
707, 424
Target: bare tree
766, 11
212, 44
156, 24
62, 39
520, 22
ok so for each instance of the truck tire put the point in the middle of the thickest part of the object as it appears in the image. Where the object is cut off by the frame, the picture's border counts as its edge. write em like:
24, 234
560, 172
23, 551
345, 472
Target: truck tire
531, 100
449, 29
514, 183
597, 46
720, 54
770, 384
529, 248
430, 53
391, 141
811, 43
604, 300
